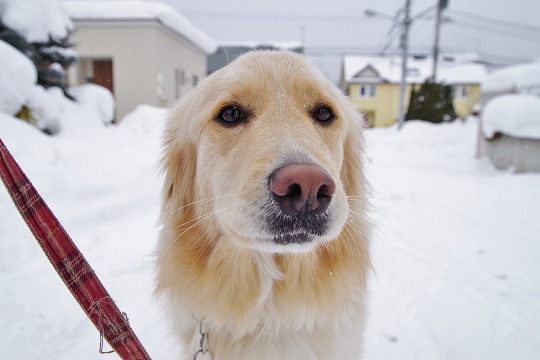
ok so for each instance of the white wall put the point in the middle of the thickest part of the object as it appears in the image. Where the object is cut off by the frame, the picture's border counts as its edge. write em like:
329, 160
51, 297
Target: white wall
144, 56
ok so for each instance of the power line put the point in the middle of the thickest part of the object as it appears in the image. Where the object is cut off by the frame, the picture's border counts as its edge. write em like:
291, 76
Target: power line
422, 50
493, 21
392, 32
225, 14
501, 31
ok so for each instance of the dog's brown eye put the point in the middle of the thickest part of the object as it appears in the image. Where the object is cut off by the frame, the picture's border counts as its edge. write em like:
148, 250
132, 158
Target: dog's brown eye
231, 115
323, 114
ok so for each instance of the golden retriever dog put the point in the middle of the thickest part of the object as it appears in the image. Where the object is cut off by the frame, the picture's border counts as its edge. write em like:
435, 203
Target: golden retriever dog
263, 251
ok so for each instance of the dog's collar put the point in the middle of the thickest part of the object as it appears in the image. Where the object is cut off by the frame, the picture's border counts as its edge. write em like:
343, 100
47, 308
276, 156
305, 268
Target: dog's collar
202, 352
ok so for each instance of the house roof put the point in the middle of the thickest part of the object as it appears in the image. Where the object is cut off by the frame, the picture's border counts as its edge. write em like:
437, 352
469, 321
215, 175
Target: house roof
136, 10
523, 78
376, 69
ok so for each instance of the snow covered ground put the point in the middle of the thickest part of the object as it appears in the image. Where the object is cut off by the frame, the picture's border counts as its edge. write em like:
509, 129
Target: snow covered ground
456, 271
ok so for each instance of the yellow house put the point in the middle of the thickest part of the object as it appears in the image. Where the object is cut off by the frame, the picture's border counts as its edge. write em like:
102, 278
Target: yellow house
373, 83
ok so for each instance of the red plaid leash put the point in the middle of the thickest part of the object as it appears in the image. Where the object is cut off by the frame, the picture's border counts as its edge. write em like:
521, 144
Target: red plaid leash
68, 261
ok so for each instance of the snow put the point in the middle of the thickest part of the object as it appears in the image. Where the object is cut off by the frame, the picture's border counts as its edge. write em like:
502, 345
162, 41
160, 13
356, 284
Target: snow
514, 115
457, 69
47, 105
523, 78
282, 45
36, 20
17, 78
140, 10
95, 98
455, 251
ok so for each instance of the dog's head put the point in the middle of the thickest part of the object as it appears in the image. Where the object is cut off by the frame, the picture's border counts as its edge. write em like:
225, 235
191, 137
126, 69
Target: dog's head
269, 150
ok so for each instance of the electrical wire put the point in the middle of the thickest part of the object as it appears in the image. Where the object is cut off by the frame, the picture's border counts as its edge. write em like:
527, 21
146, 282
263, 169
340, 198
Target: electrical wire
500, 31
225, 14
493, 21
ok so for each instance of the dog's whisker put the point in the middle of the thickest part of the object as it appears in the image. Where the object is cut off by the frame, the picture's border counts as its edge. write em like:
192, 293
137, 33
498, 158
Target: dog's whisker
381, 233
351, 240
202, 201
198, 220
355, 227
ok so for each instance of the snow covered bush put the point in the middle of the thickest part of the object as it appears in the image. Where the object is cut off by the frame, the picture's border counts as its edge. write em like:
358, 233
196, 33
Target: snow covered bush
46, 107
17, 78
39, 30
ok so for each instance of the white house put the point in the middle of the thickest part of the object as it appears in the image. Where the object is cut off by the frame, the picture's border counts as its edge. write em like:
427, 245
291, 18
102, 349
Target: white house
145, 52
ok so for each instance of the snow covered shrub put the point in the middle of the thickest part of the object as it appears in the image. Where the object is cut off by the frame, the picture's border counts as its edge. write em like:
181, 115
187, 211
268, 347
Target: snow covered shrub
46, 107
40, 29
17, 78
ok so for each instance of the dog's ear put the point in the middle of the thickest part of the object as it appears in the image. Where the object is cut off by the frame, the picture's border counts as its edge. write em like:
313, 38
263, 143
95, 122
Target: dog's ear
178, 162
180, 146
352, 171
178, 177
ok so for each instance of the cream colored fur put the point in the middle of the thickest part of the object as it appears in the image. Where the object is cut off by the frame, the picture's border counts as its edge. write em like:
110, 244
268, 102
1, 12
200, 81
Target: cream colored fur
261, 300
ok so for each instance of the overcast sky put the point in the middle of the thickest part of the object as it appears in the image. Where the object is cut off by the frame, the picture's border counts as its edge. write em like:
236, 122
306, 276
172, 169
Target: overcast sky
501, 30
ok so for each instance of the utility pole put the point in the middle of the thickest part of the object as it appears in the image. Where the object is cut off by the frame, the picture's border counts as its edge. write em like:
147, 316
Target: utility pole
404, 44
440, 7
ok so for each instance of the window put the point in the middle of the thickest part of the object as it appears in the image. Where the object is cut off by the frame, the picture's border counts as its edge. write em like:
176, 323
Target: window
461, 91
179, 81
368, 91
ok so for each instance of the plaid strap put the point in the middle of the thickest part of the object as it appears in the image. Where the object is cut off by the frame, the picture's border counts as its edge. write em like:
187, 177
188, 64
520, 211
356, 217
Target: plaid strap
68, 261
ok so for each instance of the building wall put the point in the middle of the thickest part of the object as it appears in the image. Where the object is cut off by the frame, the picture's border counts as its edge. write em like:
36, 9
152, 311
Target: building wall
180, 66
381, 110
145, 55
465, 105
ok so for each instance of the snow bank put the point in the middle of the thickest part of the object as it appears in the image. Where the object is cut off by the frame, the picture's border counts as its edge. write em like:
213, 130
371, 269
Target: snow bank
143, 120
17, 78
141, 10
524, 78
36, 20
97, 98
514, 115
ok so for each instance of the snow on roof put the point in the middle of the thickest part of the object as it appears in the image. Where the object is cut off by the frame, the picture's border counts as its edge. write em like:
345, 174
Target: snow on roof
515, 115
458, 70
521, 78
36, 20
140, 10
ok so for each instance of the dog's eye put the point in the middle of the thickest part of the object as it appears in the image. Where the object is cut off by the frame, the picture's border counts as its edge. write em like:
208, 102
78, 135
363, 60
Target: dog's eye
323, 114
231, 115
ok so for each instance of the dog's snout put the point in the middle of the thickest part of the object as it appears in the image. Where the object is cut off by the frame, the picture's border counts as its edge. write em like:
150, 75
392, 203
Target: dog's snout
302, 189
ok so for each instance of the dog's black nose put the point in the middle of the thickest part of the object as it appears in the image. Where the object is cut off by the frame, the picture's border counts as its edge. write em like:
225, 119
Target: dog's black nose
302, 189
